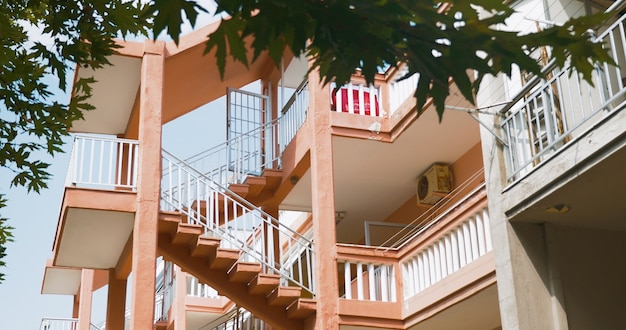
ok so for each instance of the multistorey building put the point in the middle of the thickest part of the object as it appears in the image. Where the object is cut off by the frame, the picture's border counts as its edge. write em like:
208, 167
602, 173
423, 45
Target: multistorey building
399, 225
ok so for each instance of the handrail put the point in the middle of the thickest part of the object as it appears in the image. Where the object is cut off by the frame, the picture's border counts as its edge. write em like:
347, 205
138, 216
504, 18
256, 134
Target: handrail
235, 159
432, 216
534, 80
550, 112
61, 323
236, 221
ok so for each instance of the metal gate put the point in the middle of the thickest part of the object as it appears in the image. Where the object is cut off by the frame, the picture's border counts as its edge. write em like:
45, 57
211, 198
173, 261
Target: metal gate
247, 113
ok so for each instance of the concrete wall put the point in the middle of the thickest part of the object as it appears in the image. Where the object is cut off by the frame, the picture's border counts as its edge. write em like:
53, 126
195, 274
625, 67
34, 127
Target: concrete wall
592, 267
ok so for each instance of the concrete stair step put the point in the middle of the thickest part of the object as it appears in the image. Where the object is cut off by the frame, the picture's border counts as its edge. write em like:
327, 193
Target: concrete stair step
244, 272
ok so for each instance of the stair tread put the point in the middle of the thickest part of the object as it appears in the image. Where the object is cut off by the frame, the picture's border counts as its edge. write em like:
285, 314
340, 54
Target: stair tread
263, 284
186, 233
204, 246
256, 184
224, 258
244, 271
301, 308
168, 221
283, 296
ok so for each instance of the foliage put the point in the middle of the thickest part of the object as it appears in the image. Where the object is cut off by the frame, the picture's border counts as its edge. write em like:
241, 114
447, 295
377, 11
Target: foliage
5, 236
440, 42
31, 117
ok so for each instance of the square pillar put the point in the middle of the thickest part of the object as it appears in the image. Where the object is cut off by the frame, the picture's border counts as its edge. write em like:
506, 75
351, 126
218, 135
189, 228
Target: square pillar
145, 231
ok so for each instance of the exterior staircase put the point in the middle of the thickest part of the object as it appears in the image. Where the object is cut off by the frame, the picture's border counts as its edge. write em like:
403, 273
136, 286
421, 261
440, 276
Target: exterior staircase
211, 224
218, 236
243, 282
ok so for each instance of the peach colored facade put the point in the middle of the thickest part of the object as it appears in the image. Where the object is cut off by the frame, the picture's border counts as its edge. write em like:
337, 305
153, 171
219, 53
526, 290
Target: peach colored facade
527, 234
351, 171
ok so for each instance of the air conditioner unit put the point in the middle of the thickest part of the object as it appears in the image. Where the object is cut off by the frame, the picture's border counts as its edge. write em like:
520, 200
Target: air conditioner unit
434, 184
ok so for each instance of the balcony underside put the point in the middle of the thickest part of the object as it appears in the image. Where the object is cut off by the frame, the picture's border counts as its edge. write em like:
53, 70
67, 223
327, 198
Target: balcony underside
586, 177
196, 320
478, 312
94, 228
60, 280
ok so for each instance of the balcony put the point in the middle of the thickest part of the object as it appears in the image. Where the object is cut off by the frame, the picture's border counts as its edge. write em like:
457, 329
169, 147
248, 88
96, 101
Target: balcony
564, 144
550, 114
98, 207
447, 261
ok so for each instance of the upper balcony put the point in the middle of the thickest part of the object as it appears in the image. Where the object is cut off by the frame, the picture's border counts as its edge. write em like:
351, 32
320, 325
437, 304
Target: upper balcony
562, 136
99, 202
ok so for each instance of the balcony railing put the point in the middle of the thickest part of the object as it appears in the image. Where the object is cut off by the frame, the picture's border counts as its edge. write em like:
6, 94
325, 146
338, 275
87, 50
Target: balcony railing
400, 90
365, 280
456, 238
453, 250
549, 113
56, 323
357, 99
235, 159
103, 163
197, 289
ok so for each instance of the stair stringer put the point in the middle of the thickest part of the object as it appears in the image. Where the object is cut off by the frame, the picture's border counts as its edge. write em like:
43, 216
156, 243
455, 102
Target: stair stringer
199, 267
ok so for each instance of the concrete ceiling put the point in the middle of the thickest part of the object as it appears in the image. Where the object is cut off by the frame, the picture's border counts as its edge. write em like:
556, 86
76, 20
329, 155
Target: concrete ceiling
374, 178
61, 280
197, 320
595, 198
114, 94
93, 238
478, 312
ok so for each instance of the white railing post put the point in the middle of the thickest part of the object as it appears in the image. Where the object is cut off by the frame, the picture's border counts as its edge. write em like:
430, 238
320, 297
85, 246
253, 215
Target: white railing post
449, 253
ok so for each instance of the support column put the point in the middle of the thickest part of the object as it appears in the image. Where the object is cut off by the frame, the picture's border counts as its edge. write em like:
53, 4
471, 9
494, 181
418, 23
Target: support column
75, 305
84, 305
323, 206
116, 301
180, 297
145, 231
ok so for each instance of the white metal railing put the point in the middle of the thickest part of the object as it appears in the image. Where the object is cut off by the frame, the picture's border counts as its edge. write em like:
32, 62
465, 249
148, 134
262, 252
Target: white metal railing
235, 159
400, 90
369, 281
438, 212
252, 151
165, 290
226, 215
293, 115
57, 323
356, 99
237, 319
458, 247
103, 163
197, 289
549, 113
